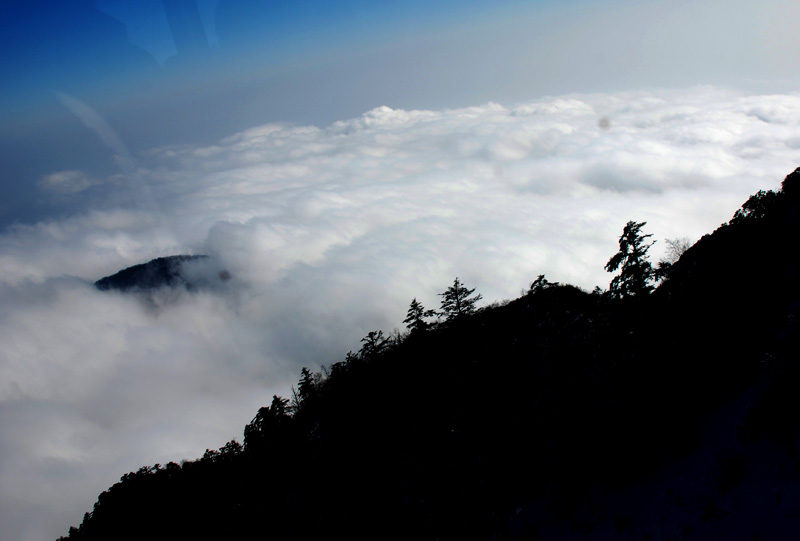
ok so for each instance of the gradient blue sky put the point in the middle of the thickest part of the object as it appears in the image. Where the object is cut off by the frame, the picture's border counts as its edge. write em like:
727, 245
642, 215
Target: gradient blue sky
252, 62
320, 150
318, 61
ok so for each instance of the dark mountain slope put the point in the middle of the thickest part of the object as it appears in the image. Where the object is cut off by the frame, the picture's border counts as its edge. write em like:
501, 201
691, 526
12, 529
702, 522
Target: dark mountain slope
189, 272
561, 414
159, 272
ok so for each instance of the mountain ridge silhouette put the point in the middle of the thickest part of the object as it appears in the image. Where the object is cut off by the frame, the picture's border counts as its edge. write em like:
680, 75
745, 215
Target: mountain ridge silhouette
562, 414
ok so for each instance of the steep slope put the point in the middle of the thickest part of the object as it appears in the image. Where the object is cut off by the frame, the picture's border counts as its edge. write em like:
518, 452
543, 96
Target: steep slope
159, 272
560, 414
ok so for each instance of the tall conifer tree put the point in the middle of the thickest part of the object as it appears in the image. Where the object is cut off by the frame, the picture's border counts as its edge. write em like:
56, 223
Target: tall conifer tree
457, 301
415, 318
636, 274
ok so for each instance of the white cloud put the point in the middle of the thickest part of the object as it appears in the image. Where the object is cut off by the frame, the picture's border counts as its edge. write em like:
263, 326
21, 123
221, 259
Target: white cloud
66, 182
328, 233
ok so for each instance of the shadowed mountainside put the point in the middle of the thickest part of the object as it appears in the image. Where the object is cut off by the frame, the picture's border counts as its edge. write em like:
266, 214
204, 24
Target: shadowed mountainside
187, 271
160, 272
559, 415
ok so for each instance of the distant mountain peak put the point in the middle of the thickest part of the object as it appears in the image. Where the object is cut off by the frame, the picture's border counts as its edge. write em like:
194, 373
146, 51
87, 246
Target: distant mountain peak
188, 271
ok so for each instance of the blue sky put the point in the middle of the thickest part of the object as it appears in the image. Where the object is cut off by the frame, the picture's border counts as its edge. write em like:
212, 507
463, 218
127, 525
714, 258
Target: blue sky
318, 61
320, 150
100, 48
251, 62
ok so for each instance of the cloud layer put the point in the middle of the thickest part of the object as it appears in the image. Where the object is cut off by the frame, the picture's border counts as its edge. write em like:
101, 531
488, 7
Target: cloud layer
328, 233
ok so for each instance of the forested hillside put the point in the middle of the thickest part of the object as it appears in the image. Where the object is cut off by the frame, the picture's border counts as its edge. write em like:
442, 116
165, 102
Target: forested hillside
656, 409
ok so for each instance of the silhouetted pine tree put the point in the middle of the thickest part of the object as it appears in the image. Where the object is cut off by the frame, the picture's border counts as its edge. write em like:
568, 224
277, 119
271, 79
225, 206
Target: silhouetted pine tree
374, 343
636, 273
458, 301
541, 283
415, 318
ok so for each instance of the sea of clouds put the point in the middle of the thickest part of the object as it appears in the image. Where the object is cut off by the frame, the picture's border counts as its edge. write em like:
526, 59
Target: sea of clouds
327, 234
